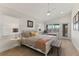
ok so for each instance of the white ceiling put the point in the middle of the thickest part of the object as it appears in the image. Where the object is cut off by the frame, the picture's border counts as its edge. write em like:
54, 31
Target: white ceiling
38, 10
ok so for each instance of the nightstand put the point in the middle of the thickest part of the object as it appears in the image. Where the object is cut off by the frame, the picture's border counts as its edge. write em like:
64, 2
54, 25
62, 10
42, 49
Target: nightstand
18, 39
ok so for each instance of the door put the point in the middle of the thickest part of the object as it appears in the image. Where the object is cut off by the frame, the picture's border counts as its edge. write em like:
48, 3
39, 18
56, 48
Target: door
65, 30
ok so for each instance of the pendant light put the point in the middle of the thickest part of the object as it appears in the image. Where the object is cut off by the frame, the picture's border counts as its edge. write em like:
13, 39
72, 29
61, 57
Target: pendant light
48, 12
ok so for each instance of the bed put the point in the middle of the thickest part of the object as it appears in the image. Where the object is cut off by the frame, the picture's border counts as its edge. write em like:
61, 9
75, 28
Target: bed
41, 43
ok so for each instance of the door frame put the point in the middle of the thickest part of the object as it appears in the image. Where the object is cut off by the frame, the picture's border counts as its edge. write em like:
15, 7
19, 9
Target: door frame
68, 30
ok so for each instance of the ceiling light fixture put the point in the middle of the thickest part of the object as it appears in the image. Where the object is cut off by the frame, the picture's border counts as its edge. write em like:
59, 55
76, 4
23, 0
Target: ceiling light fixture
48, 12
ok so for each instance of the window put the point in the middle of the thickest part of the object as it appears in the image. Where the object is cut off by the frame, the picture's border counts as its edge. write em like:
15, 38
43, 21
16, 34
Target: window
50, 26
53, 27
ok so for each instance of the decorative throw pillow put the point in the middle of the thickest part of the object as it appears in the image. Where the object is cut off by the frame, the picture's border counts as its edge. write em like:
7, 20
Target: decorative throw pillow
34, 33
25, 34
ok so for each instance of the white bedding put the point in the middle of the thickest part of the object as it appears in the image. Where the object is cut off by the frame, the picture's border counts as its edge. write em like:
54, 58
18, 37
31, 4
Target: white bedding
31, 40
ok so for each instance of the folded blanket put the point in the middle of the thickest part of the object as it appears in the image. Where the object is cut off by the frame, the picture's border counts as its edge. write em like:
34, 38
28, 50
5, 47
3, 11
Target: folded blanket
40, 44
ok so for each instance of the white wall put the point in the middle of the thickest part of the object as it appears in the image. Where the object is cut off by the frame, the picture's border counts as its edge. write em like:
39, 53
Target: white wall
23, 24
0, 25
66, 20
40, 26
7, 23
63, 20
75, 34
36, 25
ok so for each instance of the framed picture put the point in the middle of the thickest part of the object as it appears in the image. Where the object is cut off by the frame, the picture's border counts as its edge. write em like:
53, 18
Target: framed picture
15, 29
29, 23
76, 22
76, 17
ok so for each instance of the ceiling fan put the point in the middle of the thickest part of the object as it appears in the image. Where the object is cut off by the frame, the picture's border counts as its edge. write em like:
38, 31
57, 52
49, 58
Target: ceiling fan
49, 11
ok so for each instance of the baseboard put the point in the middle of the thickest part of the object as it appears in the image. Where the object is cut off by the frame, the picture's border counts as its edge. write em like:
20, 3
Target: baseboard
75, 46
65, 38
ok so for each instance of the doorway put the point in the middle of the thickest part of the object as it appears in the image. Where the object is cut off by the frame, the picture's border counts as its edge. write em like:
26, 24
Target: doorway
65, 30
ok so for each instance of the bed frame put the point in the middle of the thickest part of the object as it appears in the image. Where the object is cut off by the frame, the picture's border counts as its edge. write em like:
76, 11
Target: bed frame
48, 47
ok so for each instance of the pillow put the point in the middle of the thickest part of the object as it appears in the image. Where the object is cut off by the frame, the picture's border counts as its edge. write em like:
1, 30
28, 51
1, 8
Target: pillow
25, 34
34, 33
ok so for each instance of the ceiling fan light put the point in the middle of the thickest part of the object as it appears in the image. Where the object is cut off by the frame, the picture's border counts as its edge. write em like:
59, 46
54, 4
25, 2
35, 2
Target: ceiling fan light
48, 13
